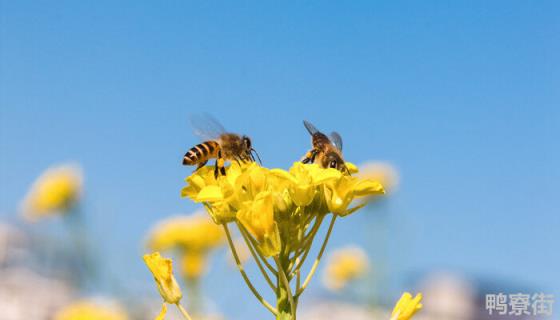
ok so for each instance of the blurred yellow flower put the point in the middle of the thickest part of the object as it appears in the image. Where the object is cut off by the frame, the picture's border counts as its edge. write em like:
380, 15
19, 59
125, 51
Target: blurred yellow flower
195, 232
91, 310
343, 266
193, 236
193, 264
162, 269
383, 172
406, 307
56, 191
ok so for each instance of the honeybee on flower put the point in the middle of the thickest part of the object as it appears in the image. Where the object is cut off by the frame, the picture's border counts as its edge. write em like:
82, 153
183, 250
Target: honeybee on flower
327, 152
218, 144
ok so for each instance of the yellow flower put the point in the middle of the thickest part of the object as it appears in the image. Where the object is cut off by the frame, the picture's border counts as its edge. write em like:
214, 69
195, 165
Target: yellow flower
340, 193
258, 218
406, 307
162, 269
343, 266
302, 181
203, 187
90, 310
383, 172
56, 191
195, 232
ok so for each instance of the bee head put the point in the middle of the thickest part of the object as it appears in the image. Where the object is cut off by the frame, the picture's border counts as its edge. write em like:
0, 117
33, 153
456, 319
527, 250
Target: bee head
247, 142
249, 149
333, 160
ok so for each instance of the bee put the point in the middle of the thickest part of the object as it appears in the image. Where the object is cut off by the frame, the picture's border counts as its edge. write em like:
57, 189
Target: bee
327, 152
219, 144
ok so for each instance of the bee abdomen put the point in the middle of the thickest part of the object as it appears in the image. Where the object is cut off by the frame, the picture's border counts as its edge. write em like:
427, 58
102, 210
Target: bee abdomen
200, 153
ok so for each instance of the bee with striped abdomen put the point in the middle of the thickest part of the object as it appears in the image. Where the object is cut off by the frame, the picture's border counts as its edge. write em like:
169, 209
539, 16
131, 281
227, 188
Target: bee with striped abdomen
219, 144
327, 152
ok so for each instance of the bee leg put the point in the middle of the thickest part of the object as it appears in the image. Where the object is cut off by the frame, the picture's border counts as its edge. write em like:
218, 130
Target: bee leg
219, 165
310, 156
216, 169
238, 159
200, 165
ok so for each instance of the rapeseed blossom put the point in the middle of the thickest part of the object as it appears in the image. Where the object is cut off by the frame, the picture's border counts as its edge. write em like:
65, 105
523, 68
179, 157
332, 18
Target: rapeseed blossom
343, 266
278, 214
56, 191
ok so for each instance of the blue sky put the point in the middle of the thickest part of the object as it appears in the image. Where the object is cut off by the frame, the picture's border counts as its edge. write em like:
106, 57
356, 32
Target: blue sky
461, 97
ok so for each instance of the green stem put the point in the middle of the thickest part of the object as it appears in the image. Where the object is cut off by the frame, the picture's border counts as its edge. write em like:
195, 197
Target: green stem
284, 297
298, 277
307, 246
286, 283
244, 275
257, 259
246, 235
183, 311
318, 259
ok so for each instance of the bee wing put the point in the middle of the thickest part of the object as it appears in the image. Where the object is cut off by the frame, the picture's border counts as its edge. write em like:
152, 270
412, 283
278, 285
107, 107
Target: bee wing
206, 126
337, 140
310, 128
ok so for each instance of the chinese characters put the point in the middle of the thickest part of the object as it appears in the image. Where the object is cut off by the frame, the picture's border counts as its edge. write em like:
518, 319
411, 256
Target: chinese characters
518, 304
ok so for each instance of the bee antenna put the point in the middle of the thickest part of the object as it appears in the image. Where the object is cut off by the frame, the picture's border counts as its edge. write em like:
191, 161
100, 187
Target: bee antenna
255, 151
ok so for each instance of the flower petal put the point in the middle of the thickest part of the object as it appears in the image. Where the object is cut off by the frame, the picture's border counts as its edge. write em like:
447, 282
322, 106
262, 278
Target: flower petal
210, 193
352, 168
368, 187
325, 175
162, 271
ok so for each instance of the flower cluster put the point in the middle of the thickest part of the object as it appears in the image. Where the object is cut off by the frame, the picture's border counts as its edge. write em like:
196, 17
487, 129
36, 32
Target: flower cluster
278, 214
276, 206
